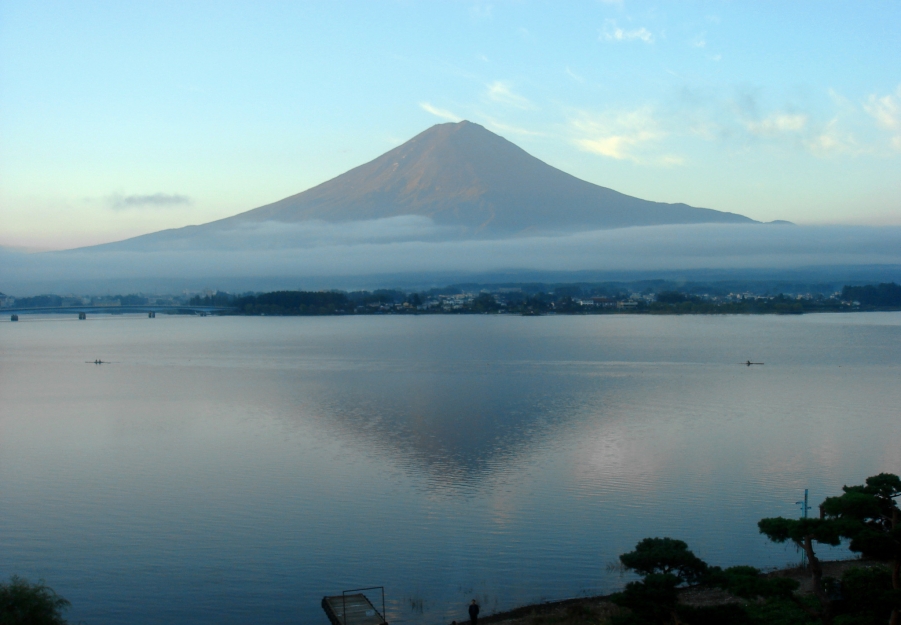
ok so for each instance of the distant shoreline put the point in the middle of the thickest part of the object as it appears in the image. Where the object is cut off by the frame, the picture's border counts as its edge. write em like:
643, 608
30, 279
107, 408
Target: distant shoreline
525, 299
187, 311
571, 299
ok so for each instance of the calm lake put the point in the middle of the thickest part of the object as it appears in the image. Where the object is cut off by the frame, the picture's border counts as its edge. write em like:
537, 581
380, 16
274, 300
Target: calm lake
237, 469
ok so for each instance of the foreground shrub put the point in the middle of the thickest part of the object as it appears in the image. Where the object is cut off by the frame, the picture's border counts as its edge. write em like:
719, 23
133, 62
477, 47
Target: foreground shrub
24, 603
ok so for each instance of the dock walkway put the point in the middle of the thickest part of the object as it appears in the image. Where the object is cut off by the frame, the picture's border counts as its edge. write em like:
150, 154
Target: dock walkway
353, 609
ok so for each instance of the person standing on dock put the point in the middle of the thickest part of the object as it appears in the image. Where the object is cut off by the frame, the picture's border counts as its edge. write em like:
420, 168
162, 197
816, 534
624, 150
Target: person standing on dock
474, 612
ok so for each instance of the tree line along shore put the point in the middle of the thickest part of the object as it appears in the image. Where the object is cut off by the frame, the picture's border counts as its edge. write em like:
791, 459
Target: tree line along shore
561, 300
678, 588
644, 297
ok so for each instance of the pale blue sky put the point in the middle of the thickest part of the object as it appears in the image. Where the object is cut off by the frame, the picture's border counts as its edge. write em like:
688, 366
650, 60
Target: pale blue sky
121, 118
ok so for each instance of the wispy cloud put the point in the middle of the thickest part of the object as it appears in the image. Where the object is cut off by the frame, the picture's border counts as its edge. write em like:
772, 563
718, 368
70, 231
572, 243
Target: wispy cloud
831, 140
659, 134
671, 160
574, 75
886, 110
154, 200
481, 11
621, 135
613, 32
500, 92
777, 124
750, 121
513, 129
437, 112
843, 132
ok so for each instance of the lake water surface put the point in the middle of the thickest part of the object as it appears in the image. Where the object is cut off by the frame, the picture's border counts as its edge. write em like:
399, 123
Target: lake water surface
237, 469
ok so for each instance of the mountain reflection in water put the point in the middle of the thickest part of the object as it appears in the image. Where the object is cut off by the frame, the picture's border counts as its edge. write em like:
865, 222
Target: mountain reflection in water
457, 424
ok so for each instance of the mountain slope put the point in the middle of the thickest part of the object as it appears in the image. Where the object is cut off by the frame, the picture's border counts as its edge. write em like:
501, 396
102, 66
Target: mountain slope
469, 181
463, 174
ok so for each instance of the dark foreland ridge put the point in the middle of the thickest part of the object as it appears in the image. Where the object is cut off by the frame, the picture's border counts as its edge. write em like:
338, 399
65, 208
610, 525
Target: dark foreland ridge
464, 177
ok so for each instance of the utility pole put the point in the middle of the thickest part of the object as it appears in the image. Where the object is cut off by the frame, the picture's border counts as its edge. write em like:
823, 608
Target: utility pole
804, 510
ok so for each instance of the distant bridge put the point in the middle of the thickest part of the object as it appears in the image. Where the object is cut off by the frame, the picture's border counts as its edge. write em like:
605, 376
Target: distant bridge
117, 310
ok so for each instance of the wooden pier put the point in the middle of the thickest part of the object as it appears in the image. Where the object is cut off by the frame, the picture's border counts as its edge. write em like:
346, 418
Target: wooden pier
353, 608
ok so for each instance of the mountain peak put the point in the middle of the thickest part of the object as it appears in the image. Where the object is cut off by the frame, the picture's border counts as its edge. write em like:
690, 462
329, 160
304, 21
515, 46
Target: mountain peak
461, 174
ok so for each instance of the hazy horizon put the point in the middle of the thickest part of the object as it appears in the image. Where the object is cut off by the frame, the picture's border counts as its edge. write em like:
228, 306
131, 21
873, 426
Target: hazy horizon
313, 252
